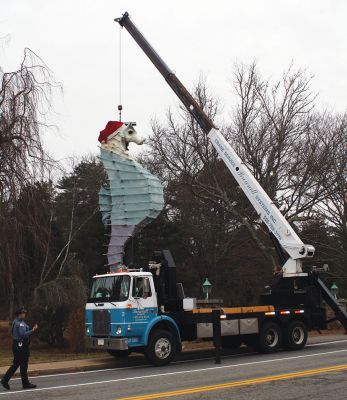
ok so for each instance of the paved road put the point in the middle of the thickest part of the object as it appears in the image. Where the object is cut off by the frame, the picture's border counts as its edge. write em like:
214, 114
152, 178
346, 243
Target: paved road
317, 372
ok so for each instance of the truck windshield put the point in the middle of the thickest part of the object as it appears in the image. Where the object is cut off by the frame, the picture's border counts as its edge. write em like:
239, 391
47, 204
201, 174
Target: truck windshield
110, 288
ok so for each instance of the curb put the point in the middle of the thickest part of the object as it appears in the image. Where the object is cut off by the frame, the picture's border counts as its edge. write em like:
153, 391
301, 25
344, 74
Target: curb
50, 369
62, 370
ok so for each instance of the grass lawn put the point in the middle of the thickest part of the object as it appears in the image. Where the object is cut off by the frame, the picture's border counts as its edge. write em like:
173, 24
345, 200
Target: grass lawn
39, 355
39, 352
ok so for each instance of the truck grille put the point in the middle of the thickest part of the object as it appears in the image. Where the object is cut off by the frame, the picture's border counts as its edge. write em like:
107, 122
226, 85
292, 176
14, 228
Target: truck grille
101, 323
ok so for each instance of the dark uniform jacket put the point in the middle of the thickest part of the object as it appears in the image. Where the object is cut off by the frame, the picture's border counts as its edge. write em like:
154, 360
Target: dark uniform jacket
20, 330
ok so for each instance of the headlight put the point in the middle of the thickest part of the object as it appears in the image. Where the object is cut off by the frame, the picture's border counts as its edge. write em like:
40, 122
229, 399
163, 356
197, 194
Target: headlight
118, 330
88, 330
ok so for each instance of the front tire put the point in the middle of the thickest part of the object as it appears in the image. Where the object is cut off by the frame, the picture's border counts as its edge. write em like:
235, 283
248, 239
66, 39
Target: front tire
161, 348
295, 335
119, 353
270, 338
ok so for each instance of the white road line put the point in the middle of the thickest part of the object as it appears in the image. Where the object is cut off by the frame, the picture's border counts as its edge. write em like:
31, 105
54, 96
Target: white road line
173, 373
174, 362
321, 344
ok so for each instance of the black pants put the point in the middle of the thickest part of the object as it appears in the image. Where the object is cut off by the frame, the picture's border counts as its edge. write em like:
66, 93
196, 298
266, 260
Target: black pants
21, 354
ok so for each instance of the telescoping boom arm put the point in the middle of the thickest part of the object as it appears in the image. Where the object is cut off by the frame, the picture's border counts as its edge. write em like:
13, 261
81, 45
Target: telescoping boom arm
267, 210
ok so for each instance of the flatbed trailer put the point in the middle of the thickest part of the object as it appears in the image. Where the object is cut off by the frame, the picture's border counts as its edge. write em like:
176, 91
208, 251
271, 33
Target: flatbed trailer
264, 328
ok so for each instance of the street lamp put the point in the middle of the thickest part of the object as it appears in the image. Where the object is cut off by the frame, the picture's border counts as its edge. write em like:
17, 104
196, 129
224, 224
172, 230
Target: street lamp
334, 290
206, 288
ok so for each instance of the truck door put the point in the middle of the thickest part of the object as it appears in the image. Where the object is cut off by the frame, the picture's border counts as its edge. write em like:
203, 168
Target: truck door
144, 304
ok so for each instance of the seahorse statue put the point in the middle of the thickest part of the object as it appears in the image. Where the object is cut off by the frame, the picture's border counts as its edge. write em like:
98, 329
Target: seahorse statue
134, 196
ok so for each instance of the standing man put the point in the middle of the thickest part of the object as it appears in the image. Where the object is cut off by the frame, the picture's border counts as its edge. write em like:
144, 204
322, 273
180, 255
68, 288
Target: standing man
21, 339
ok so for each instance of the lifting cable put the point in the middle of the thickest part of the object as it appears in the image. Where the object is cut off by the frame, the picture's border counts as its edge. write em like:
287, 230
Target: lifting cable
120, 107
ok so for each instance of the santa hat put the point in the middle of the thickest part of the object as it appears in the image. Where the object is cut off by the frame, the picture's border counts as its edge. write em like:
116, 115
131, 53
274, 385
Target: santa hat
111, 127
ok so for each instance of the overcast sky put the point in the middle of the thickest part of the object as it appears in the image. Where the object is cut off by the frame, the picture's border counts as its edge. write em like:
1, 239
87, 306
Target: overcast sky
79, 42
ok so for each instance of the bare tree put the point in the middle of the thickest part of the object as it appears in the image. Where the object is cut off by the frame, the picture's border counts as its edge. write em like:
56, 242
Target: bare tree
333, 207
25, 97
288, 145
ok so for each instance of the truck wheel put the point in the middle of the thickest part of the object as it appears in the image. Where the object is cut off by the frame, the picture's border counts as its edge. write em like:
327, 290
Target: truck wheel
231, 342
161, 348
119, 353
270, 338
295, 335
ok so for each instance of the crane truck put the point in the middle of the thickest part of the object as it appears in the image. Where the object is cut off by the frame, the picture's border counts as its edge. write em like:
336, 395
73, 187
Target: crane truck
145, 310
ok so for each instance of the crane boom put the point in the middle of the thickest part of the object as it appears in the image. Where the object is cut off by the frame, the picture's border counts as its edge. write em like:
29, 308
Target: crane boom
266, 209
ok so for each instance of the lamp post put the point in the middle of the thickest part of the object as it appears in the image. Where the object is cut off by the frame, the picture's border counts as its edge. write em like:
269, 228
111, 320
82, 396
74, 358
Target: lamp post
206, 288
334, 290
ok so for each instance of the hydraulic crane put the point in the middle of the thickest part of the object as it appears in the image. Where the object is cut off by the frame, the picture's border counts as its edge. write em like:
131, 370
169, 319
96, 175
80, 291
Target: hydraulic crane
283, 234
289, 247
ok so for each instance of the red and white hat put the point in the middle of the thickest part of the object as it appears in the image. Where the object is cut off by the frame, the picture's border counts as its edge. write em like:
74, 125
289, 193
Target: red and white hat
111, 127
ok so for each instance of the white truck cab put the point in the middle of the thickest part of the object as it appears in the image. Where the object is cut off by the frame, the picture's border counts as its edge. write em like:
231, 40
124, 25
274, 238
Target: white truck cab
122, 314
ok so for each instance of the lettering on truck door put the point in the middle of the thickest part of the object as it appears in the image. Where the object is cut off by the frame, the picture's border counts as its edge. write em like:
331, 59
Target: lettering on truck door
144, 304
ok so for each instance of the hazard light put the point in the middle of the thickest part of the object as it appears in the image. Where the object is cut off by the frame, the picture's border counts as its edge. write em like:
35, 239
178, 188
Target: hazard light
270, 313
